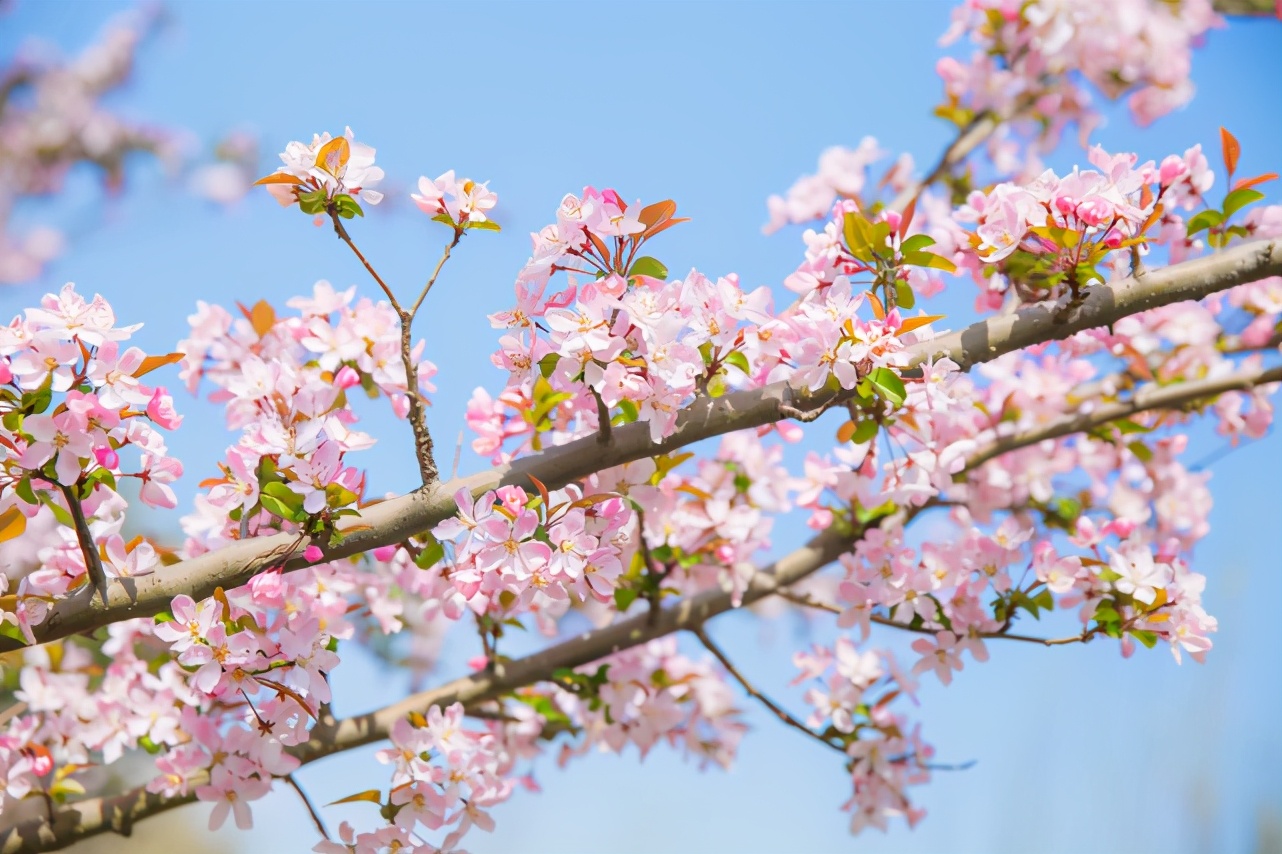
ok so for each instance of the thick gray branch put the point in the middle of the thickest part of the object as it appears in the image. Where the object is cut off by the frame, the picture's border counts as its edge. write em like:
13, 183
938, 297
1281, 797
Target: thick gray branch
118, 813
395, 520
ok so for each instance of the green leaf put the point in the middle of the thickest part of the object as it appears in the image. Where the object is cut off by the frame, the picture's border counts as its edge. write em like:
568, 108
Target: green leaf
312, 202
279, 500
25, 491
1128, 425
1045, 600
1204, 220
548, 364
487, 225
904, 296
37, 401
1239, 199
888, 385
1149, 639
624, 597
337, 495
647, 266
432, 554
100, 475
930, 260
347, 207
1142, 451
739, 360
628, 412
916, 243
864, 432
858, 234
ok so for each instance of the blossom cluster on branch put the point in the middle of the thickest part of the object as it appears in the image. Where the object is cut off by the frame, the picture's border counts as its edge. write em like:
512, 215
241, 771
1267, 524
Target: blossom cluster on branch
1051, 458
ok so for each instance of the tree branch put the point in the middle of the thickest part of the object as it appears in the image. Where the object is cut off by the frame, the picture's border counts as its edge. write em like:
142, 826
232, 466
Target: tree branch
307, 802
86, 818
770, 704
88, 548
967, 140
341, 231
93, 816
1148, 398
397, 519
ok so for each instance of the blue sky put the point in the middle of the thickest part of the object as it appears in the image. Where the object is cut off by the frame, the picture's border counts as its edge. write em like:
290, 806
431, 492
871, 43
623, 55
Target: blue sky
716, 105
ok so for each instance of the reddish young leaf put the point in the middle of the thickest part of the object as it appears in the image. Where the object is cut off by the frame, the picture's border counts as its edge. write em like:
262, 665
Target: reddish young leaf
656, 213
543, 491
1248, 183
914, 323
1232, 149
150, 363
601, 248
279, 178
664, 226
333, 156
374, 796
262, 317
12, 524
878, 310
907, 217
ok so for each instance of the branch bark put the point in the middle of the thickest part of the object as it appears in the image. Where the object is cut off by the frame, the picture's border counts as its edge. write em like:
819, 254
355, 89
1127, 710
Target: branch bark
93, 816
397, 519
118, 813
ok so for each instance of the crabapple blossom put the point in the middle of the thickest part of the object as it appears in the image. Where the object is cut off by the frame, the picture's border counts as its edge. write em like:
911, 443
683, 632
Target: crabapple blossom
1053, 476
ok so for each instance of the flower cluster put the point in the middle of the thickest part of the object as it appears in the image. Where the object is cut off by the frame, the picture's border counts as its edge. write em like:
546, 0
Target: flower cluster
285, 383
842, 174
51, 119
851, 698
327, 173
1040, 495
444, 776
515, 554
459, 203
647, 695
256, 664
1026, 51
77, 420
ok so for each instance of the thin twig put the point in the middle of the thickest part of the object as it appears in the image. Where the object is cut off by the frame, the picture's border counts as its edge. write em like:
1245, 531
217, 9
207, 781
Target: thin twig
770, 704
93, 564
311, 809
602, 419
967, 140
417, 412
445, 256
801, 599
341, 231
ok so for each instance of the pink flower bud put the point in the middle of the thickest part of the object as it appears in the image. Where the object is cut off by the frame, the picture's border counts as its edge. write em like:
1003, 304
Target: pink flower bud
313, 553
1173, 168
347, 377
385, 553
160, 409
106, 457
512, 497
